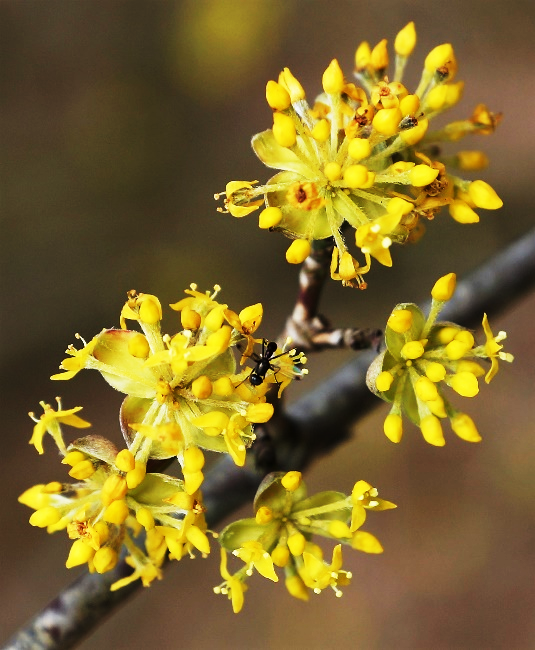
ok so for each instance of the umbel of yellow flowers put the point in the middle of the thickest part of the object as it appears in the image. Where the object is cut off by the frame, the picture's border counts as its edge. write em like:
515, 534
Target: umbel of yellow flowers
280, 535
422, 358
184, 393
112, 500
364, 157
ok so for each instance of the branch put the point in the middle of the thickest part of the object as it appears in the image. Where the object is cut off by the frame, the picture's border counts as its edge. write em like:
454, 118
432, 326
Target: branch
311, 427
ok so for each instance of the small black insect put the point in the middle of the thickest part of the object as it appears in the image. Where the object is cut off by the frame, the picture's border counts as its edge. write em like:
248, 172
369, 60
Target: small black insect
263, 363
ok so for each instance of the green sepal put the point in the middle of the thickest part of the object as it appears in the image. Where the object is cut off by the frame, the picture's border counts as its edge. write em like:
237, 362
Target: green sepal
248, 530
155, 488
97, 447
224, 364
273, 155
409, 401
323, 499
112, 350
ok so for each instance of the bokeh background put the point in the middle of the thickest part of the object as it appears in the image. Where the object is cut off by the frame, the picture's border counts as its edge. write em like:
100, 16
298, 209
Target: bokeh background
119, 122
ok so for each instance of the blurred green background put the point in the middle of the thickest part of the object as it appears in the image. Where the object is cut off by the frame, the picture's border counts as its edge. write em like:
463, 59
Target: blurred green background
119, 121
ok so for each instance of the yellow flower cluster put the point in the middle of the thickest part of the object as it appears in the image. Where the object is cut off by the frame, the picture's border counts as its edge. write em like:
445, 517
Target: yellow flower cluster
184, 392
280, 535
364, 156
112, 501
423, 355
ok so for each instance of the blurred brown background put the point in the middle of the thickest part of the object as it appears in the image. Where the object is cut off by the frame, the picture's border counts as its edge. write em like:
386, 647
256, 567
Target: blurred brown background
119, 122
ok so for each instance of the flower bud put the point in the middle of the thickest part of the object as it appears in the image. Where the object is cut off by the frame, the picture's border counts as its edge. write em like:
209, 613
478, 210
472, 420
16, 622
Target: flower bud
296, 587
263, 515
193, 459
150, 312
464, 427
412, 350
288, 81
409, 105
296, 544
321, 130
439, 56
135, 476
298, 251
432, 431
379, 55
277, 96
280, 556
400, 320
435, 371
47, 516
355, 176
384, 381
422, 175
332, 171
82, 470
464, 383
484, 196
363, 56
284, 130
190, 319
291, 481
138, 346
444, 287
462, 212
80, 553
472, 160
414, 135
333, 78
105, 559
201, 387
393, 427
269, 217
125, 461
145, 518
359, 148
386, 121
405, 40
425, 389
116, 512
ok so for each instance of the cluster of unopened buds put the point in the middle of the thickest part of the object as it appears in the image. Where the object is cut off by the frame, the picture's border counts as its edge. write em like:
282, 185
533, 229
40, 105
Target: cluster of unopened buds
364, 157
422, 356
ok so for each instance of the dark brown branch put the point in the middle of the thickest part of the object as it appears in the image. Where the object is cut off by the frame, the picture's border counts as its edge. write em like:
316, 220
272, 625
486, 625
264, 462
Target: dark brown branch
312, 426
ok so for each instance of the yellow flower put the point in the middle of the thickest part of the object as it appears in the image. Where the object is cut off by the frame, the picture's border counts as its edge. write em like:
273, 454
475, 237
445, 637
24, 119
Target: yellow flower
493, 349
353, 155
50, 422
80, 359
317, 575
233, 587
254, 555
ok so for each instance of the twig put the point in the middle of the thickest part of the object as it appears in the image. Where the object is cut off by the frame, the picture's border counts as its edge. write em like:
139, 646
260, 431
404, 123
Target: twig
311, 331
315, 424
